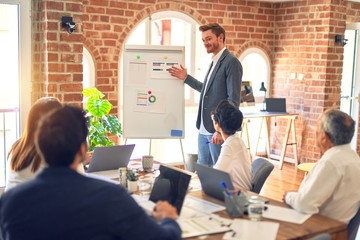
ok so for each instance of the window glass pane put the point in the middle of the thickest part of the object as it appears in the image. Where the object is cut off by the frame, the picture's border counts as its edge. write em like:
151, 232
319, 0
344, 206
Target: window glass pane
88, 69
86, 72
255, 73
9, 57
138, 36
9, 82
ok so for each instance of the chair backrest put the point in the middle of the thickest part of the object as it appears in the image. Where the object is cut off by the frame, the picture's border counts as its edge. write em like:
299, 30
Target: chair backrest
353, 226
261, 169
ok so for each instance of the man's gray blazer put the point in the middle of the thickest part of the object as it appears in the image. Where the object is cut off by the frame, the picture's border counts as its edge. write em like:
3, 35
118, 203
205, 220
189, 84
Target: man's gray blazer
224, 83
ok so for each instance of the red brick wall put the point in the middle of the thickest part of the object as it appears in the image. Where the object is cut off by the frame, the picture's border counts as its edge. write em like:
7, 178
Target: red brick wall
305, 32
107, 24
57, 55
298, 37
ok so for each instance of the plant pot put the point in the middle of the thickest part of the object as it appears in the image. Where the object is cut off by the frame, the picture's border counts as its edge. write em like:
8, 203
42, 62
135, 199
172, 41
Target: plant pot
132, 186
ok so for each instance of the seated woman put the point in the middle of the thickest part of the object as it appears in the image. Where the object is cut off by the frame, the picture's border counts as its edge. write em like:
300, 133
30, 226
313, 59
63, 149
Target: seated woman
234, 157
24, 162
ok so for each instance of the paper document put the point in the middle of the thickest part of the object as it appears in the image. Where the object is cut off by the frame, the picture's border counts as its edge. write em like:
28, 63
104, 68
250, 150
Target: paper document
285, 214
201, 205
192, 227
108, 175
144, 202
195, 185
245, 229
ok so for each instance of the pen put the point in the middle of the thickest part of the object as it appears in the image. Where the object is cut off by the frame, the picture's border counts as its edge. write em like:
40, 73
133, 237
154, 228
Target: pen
208, 142
223, 185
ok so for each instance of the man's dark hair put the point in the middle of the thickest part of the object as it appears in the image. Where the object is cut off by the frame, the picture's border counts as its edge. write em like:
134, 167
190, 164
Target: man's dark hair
60, 135
228, 116
215, 29
339, 126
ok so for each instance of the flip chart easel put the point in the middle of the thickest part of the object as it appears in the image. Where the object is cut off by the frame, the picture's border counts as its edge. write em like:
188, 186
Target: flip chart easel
153, 100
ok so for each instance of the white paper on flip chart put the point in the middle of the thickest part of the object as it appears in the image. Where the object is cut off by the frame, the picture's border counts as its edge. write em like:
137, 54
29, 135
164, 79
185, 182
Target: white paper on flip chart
201, 205
198, 226
245, 229
285, 214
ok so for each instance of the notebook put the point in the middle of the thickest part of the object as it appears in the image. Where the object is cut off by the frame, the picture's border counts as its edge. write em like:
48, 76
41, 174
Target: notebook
110, 158
210, 179
171, 185
276, 105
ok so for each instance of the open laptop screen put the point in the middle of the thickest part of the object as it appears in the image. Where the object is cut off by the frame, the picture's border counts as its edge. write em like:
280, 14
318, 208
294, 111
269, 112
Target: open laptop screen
210, 179
277, 105
110, 158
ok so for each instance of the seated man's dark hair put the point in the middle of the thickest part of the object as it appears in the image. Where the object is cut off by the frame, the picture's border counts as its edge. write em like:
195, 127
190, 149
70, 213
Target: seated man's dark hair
228, 116
60, 135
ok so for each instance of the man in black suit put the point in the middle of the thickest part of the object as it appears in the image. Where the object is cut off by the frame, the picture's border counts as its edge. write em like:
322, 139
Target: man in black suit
60, 203
222, 81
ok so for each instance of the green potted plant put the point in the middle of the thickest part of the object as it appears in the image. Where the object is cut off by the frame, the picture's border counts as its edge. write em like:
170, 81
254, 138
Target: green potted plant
101, 125
132, 178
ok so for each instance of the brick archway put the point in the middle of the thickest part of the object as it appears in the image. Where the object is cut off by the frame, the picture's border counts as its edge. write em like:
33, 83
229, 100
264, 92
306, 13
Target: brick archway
159, 7
255, 44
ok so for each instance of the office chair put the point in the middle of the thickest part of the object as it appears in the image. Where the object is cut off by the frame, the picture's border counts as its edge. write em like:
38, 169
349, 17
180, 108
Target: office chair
261, 169
353, 226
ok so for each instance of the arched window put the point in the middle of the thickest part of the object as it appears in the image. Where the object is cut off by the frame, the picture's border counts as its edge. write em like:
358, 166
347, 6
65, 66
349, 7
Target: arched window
88, 69
176, 29
256, 69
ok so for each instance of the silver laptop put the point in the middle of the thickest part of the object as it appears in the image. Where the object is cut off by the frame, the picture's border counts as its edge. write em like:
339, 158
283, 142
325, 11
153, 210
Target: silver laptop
211, 178
110, 158
275, 105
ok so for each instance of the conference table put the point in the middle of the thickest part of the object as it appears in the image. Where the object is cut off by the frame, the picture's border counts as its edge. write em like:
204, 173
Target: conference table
315, 225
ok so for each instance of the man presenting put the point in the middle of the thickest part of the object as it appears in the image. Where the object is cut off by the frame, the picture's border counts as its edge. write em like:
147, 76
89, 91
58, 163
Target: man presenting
60, 203
332, 187
222, 81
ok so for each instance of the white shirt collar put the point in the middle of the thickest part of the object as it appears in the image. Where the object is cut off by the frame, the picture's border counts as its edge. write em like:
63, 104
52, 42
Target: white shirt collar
217, 56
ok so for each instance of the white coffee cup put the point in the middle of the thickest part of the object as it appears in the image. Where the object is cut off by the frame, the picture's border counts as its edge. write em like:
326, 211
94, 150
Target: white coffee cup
147, 162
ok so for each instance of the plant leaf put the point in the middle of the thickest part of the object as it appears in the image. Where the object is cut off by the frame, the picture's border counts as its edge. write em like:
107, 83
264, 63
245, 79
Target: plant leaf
99, 108
113, 125
92, 92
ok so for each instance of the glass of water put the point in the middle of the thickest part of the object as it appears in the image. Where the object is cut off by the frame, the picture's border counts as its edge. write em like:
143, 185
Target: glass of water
145, 186
255, 208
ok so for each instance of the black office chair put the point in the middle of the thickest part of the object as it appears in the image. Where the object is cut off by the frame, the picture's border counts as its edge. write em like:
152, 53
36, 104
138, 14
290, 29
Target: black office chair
353, 226
261, 169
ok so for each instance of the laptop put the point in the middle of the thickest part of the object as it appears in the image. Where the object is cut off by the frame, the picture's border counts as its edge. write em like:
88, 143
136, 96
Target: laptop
210, 179
110, 158
275, 105
171, 185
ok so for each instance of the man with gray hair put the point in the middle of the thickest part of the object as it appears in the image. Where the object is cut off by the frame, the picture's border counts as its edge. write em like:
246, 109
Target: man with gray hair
332, 187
